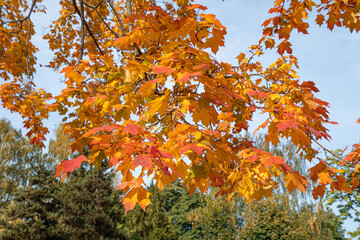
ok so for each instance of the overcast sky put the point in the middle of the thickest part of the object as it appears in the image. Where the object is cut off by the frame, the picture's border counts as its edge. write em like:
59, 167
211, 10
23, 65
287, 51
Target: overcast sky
329, 58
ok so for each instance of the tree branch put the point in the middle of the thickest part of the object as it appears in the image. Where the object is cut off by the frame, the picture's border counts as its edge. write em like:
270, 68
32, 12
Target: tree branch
117, 17
326, 150
82, 40
102, 19
88, 28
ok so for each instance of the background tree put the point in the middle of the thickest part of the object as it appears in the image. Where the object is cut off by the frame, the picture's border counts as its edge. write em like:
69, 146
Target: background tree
219, 219
91, 206
156, 221
274, 219
35, 211
18, 158
348, 203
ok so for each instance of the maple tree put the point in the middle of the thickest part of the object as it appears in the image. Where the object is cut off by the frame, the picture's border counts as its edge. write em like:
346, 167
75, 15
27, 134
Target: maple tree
143, 91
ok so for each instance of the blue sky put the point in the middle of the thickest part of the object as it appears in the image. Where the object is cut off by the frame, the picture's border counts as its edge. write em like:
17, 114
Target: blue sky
329, 58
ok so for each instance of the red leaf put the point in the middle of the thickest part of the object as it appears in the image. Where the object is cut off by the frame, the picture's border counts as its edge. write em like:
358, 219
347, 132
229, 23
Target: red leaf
114, 161
187, 76
284, 46
272, 160
281, 126
71, 165
162, 69
59, 169
195, 6
143, 160
131, 128
317, 133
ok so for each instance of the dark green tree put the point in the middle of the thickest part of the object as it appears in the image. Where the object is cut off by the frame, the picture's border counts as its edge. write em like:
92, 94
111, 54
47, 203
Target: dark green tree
35, 211
92, 208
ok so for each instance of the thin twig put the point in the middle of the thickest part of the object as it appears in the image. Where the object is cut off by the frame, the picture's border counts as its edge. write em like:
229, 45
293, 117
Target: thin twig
82, 40
27, 50
117, 17
25, 18
88, 28
102, 19
326, 150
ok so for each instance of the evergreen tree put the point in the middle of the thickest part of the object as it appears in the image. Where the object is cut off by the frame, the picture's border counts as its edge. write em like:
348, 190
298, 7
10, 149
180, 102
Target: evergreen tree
35, 211
92, 209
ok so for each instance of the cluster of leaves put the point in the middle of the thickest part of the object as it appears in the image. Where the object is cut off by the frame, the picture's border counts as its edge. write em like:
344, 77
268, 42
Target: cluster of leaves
87, 207
144, 92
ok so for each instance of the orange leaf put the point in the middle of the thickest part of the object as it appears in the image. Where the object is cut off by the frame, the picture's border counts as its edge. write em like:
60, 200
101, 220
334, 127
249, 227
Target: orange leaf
272, 160
131, 128
318, 191
162, 69
71, 165
143, 160
295, 180
284, 46
195, 6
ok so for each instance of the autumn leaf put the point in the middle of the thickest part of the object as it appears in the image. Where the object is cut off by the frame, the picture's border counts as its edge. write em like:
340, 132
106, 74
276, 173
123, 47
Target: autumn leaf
71, 165
195, 6
162, 69
131, 128
143, 160
295, 180
284, 46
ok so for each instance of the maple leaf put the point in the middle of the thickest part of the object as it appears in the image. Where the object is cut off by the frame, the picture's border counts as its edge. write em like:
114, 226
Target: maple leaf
162, 69
195, 6
131, 128
272, 160
295, 180
71, 165
186, 77
143, 160
318, 191
197, 148
284, 46
283, 125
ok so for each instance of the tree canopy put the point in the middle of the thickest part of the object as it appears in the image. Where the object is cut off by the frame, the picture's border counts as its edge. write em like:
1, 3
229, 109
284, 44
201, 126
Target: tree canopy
144, 91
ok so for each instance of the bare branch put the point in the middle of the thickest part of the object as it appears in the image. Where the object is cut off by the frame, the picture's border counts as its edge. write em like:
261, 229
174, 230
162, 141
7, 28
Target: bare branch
117, 17
27, 49
25, 18
88, 28
102, 19
327, 150
82, 29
